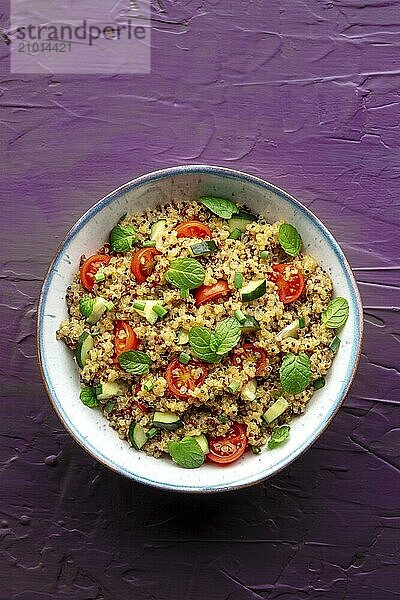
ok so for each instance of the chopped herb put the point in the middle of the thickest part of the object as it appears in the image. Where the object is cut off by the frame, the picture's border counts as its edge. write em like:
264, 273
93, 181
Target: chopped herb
222, 418
279, 435
148, 385
264, 255
295, 373
219, 206
187, 453
184, 358
110, 305
210, 345
289, 238
99, 276
238, 281
234, 386
152, 432
236, 234
185, 273
160, 310
149, 243
256, 449
240, 316
228, 333
302, 322
199, 341
135, 362
89, 398
336, 313
139, 305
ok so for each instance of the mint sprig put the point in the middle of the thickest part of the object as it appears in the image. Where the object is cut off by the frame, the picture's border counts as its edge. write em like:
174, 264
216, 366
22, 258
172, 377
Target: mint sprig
279, 435
210, 345
219, 206
295, 373
122, 238
289, 238
86, 306
89, 398
336, 313
135, 362
185, 273
187, 453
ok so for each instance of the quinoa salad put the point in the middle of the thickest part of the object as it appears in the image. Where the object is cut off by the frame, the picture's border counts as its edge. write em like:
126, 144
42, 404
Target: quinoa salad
201, 329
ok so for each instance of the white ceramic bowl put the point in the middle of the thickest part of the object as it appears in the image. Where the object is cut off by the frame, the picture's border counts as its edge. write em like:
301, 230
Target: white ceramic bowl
89, 428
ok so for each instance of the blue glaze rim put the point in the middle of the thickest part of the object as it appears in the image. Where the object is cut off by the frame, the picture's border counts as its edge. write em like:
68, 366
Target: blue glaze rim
356, 305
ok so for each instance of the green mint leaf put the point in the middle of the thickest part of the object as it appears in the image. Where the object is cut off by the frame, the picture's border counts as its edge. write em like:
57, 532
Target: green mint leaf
289, 238
279, 435
135, 362
122, 238
186, 453
86, 306
215, 341
228, 333
219, 206
88, 397
185, 273
200, 342
336, 313
295, 373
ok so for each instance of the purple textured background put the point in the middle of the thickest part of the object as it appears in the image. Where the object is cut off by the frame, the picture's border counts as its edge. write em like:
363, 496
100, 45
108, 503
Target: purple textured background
306, 95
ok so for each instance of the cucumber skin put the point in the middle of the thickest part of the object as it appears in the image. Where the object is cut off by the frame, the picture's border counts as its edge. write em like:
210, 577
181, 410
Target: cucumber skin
257, 292
79, 348
250, 325
136, 430
202, 442
165, 425
242, 218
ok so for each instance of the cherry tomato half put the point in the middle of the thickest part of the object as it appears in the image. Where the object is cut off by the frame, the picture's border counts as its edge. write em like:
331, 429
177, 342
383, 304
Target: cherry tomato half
227, 449
193, 229
289, 288
207, 293
247, 352
142, 264
90, 268
181, 378
124, 338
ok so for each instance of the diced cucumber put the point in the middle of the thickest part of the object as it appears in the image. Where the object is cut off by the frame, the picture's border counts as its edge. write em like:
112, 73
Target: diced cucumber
166, 420
158, 229
233, 387
253, 290
100, 305
241, 220
238, 281
203, 248
148, 312
248, 392
84, 345
105, 391
250, 325
183, 337
236, 234
137, 436
290, 330
334, 345
275, 411
203, 442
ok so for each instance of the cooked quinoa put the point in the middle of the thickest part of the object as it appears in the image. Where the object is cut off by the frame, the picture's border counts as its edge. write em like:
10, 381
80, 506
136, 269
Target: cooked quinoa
211, 408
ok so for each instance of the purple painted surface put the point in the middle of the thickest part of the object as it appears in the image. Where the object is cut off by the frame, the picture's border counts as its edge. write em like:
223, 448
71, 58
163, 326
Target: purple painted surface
306, 95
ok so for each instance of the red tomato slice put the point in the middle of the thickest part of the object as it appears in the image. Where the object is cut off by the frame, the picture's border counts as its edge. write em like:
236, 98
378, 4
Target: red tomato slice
227, 449
181, 378
207, 293
193, 229
248, 351
289, 289
90, 268
124, 338
142, 264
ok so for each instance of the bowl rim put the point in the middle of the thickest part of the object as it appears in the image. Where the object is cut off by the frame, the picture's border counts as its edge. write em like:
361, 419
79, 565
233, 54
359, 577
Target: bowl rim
168, 173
